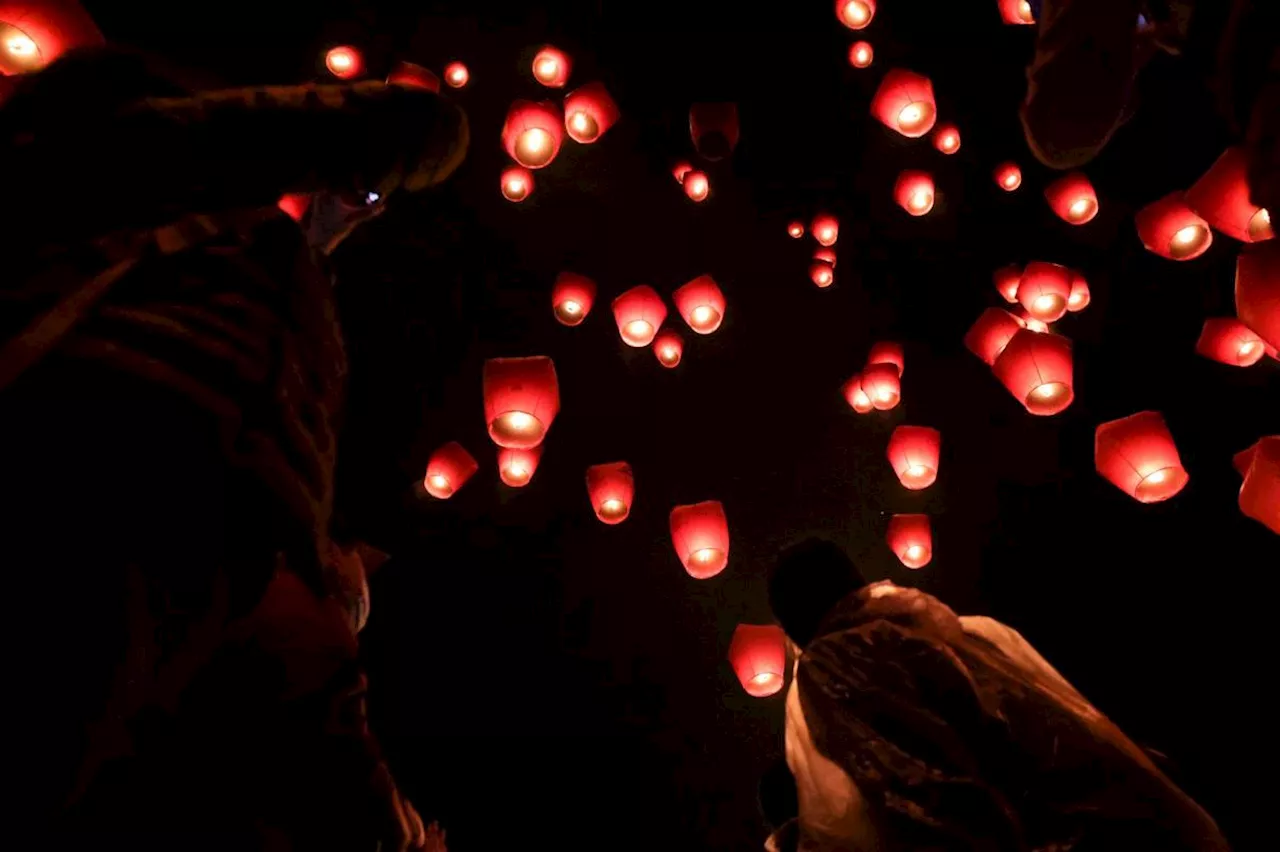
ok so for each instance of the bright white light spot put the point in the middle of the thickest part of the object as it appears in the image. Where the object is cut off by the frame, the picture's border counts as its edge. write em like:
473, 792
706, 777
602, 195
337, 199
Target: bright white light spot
911, 115
920, 199
702, 315
884, 395
1247, 349
21, 45
856, 13
535, 141
439, 481
519, 420
1157, 477
914, 552
1046, 391
917, 470
580, 122
639, 329
1079, 207
705, 555
763, 678
571, 307
1046, 304
548, 68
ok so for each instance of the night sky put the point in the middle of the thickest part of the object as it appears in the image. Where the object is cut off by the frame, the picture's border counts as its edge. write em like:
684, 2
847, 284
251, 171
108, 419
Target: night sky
539, 677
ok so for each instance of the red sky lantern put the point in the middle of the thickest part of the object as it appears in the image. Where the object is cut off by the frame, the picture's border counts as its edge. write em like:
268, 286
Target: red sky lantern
521, 399
1044, 290
1037, 370
588, 112
517, 183
532, 133
701, 303
904, 102
1072, 198
991, 333
913, 453
295, 204
861, 54
795, 229
1008, 176
696, 185
456, 75
911, 539
572, 297
714, 128
1029, 322
1260, 492
639, 313
856, 396
1137, 455
448, 470
414, 76
887, 352
516, 467
882, 384
680, 169
611, 489
551, 67
855, 14
1007, 279
1258, 290
825, 229
825, 255
344, 62
1016, 12
1221, 196
1171, 229
758, 654
33, 34
914, 191
1079, 297
700, 533
668, 347
1230, 341
946, 138
822, 274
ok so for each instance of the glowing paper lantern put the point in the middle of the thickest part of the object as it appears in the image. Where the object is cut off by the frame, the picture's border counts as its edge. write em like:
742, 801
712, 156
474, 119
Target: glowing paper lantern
588, 112
551, 67
295, 204
1260, 492
911, 539
914, 192
611, 489
517, 183
988, 336
700, 533
696, 185
344, 62
1230, 341
825, 255
701, 303
448, 470
1072, 198
861, 54
1007, 279
532, 133
1008, 176
1221, 197
913, 453
1080, 297
1044, 290
882, 385
1137, 455
714, 128
668, 347
521, 399
516, 467
758, 654
456, 75
1016, 12
856, 396
1037, 370
680, 169
822, 274
904, 102
1170, 228
414, 76
946, 138
572, 297
639, 313
795, 229
886, 352
33, 34
855, 14
1258, 290
826, 229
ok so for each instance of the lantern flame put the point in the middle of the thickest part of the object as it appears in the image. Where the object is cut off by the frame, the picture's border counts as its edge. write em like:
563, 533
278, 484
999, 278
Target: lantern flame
439, 482
23, 45
456, 75
696, 185
639, 329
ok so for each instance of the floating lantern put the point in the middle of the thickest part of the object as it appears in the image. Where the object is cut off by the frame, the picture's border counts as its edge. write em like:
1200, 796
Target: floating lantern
1029, 322
1230, 341
914, 192
295, 204
1072, 198
588, 112
611, 489
456, 75
517, 183
701, 304
1037, 370
639, 313
700, 534
946, 138
414, 76
448, 470
822, 274
521, 399
1221, 197
991, 333
33, 34
911, 539
1258, 290
825, 228
913, 453
680, 169
344, 62
861, 54
886, 352
758, 654
668, 347
1016, 12
551, 67
714, 128
795, 229
532, 133
882, 385
696, 185
1008, 176
825, 255
516, 467
855, 14
856, 396
1171, 229
1260, 492
904, 102
1137, 455
1080, 297
572, 297
1007, 279
1044, 290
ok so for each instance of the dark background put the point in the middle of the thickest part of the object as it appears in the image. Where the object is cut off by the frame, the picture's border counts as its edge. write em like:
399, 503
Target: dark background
540, 678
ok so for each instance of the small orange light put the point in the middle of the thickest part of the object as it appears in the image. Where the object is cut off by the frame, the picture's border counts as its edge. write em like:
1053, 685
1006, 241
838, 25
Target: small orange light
914, 552
696, 185
855, 14
1247, 349
343, 62
795, 230
571, 308
21, 45
517, 183
639, 330
547, 70
706, 555
910, 116
861, 54
456, 75
440, 483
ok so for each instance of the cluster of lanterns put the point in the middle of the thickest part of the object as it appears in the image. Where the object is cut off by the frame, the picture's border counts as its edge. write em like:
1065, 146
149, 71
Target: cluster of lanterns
878, 386
714, 130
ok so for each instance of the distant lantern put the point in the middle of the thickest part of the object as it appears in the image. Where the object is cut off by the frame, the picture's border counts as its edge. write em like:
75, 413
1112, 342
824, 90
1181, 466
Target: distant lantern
882, 385
946, 138
448, 470
701, 303
993, 330
825, 255
856, 396
758, 654
34, 34
1007, 279
551, 67
913, 453
1260, 492
611, 488
861, 53
1221, 196
456, 75
795, 229
521, 399
344, 62
1171, 229
1079, 297
639, 313
714, 128
700, 534
696, 185
668, 347
516, 467
517, 183
532, 133
825, 228
855, 14
887, 352
588, 112
1258, 290
572, 297
1072, 198
295, 204
1016, 12
821, 274
914, 191
911, 539
414, 76
1008, 176
1137, 455
904, 102
680, 169
1230, 341
1044, 290
1037, 370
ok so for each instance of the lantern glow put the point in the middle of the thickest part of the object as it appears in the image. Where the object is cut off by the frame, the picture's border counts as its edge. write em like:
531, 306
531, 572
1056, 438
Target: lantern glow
1044, 289
914, 192
517, 183
680, 169
1229, 341
1260, 492
913, 454
611, 489
572, 297
639, 313
668, 347
825, 255
295, 204
1037, 369
988, 336
696, 185
855, 14
904, 102
887, 352
1258, 290
456, 75
532, 133
758, 654
861, 54
856, 396
521, 399
946, 138
882, 385
821, 274
1007, 279
1221, 198
1171, 229
700, 533
1137, 455
589, 111
551, 67
701, 303
714, 129
1008, 176
344, 62
448, 470
795, 229
1016, 12
1072, 197
516, 467
413, 76
825, 229
910, 537
1080, 297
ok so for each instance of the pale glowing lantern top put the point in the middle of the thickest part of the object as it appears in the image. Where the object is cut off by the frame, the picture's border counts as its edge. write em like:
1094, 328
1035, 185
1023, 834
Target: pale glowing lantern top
1229, 341
448, 470
588, 112
1171, 229
1221, 197
456, 75
856, 396
1008, 176
611, 489
946, 138
1137, 455
795, 229
1072, 197
1258, 290
910, 537
1007, 279
344, 62
882, 385
639, 313
517, 183
1016, 12
696, 185
1080, 296
413, 76
551, 67
521, 399
701, 303
822, 274
700, 533
758, 654
913, 453
825, 228
668, 347
714, 128
887, 352
1044, 290
516, 467
861, 54
680, 169
904, 102
533, 132
1260, 492
914, 191
1037, 369
855, 14
572, 297
991, 333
